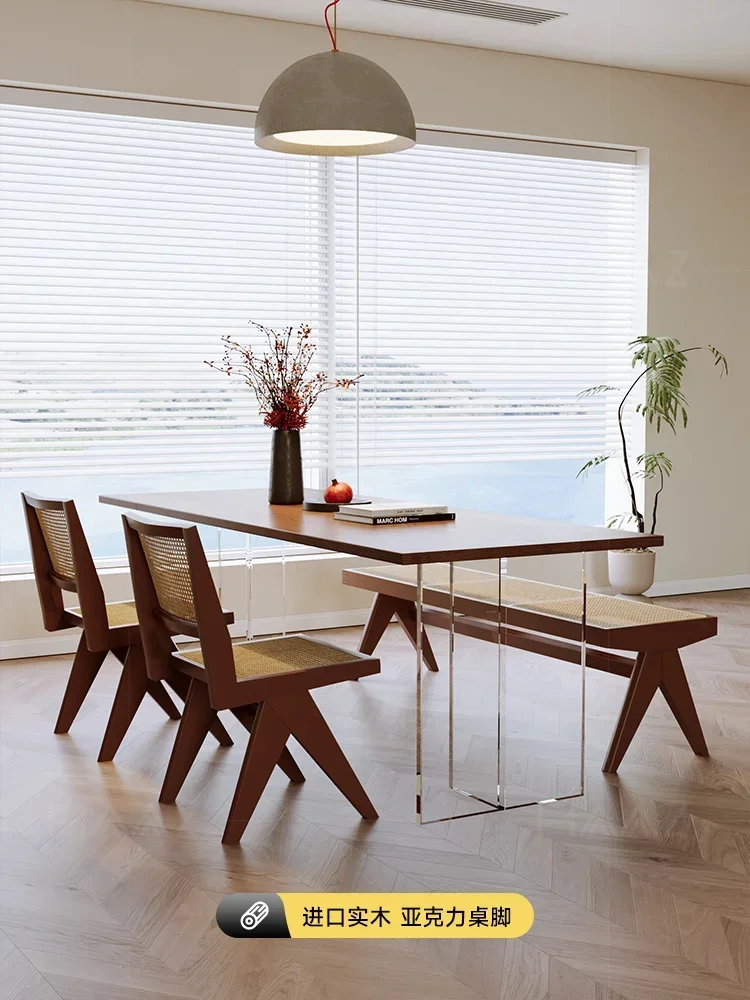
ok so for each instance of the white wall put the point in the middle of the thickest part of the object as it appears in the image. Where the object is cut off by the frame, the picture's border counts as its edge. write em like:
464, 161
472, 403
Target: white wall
699, 139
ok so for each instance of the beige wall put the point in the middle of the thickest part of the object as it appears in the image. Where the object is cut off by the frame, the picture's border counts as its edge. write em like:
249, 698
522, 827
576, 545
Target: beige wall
698, 134
306, 594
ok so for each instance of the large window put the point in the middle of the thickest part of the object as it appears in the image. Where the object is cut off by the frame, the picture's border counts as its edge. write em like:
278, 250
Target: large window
479, 286
480, 291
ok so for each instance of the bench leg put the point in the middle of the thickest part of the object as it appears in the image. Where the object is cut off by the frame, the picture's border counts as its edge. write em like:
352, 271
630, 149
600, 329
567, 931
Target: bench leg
381, 613
406, 612
652, 671
644, 682
676, 690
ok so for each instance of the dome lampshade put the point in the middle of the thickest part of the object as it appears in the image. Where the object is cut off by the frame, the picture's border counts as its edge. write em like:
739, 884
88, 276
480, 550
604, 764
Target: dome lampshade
335, 104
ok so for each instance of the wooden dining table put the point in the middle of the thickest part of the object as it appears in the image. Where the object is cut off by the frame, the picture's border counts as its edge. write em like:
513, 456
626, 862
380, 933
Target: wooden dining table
473, 536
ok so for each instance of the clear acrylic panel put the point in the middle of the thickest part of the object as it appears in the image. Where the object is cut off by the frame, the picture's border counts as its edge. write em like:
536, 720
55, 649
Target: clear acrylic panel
249, 624
267, 606
219, 571
458, 766
543, 679
501, 725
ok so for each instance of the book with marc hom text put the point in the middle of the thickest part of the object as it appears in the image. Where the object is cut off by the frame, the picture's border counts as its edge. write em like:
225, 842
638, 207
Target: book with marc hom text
395, 512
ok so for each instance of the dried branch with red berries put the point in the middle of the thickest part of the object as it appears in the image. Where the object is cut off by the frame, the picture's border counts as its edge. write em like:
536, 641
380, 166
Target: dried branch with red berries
280, 378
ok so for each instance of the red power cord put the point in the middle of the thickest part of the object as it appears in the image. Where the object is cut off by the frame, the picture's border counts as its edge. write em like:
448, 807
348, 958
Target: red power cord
328, 25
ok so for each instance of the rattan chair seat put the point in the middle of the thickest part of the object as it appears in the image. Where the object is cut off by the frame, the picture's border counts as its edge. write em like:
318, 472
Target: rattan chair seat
561, 602
118, 614
265, 657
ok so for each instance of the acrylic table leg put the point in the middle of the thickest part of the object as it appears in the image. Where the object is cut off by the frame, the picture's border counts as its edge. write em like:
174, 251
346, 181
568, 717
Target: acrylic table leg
501, 763
451, 678
420, 594
219, 565
249, 631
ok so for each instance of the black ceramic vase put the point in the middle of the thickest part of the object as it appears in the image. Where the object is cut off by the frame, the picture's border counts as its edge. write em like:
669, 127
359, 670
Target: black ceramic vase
285, 483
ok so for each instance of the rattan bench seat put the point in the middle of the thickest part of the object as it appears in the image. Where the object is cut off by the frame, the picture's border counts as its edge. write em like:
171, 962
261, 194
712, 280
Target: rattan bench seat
602, 610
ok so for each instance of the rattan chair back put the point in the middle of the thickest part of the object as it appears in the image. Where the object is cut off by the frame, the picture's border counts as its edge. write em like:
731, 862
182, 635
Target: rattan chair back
175, 595
62, 561
168, 566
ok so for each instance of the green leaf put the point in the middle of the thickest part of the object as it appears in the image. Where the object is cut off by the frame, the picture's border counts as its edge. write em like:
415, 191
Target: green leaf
591, 464
620, 521
654, 462
596, 389
719, 360
664, 401
664, 362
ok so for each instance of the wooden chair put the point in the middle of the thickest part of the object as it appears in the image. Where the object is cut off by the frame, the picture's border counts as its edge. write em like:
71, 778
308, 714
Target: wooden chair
62, 562
266, 683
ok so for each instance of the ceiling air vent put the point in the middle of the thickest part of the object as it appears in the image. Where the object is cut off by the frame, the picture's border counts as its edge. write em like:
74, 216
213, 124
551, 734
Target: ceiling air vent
487, 8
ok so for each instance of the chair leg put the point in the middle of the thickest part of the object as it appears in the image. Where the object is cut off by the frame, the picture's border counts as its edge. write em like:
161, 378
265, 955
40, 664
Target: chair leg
194, 726
130, 693
676, 690
406, 613
300, 713
159, 693
268, 739
86, 666
644, 682
290, 767
180, 684
286, 762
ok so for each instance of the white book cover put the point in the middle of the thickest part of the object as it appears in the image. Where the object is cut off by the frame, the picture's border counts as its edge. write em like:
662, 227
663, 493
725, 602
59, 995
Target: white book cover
393, 508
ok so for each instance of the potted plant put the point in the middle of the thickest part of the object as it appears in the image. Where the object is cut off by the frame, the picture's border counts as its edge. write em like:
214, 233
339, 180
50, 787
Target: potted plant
663, 362
286, 392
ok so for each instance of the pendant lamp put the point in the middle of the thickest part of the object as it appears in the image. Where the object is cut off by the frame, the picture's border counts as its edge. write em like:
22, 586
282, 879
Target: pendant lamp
335, 104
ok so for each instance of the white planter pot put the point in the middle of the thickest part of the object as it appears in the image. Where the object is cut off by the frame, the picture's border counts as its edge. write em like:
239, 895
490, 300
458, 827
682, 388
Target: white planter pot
631, 571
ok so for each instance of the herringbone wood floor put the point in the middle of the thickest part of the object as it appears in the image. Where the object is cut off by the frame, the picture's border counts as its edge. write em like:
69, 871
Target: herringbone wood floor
641, 889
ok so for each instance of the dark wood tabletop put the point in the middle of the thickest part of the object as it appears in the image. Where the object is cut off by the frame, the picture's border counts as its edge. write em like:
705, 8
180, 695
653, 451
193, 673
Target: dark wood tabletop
473, 535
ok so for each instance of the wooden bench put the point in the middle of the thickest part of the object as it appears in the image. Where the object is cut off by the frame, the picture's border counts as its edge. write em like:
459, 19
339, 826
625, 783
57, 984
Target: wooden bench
546, 619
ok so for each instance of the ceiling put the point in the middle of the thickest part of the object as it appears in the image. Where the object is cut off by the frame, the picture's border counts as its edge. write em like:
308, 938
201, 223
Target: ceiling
709, 39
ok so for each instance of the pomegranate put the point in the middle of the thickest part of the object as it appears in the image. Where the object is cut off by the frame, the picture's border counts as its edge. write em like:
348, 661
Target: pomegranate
338, 492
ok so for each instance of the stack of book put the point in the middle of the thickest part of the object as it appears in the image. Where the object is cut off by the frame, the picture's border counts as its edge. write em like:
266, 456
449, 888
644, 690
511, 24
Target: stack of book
394, 512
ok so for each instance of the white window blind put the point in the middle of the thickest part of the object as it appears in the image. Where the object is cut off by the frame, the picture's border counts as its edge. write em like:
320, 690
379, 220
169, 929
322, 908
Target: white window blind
478, 284
129, 246
480, 291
